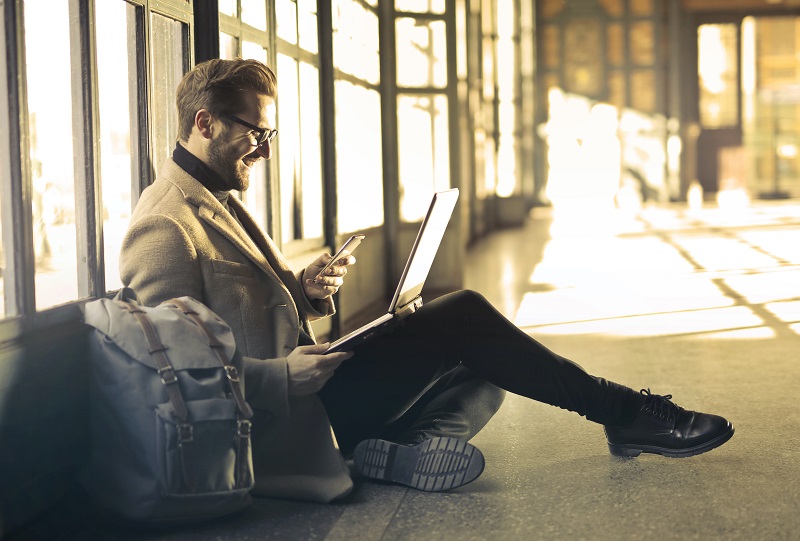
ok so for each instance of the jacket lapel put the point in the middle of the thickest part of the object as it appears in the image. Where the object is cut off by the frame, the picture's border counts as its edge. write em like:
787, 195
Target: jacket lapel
247, 237
268, 248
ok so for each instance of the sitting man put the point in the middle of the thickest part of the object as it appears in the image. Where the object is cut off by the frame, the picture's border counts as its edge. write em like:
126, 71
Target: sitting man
398, 403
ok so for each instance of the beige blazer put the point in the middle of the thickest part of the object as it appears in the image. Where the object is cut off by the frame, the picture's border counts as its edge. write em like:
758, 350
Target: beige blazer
182, 241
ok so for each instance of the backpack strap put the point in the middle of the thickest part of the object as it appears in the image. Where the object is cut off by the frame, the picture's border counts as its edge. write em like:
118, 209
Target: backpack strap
156, 350
219, 348
245, 412
170, 381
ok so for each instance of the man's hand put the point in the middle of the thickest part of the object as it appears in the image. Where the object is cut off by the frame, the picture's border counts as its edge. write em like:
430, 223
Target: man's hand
310, 369
329, 283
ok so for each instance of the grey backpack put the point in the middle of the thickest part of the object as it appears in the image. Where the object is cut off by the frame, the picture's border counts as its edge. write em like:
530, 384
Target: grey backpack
170, 426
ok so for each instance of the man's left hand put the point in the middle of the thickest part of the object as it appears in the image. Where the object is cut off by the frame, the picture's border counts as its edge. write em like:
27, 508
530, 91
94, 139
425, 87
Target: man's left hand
329, 283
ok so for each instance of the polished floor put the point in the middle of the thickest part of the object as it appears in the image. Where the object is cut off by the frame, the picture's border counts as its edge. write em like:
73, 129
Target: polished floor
701, 304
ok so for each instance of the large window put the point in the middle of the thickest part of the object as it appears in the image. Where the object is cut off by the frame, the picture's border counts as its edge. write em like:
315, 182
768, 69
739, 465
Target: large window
718, 63
48, 68
422, 105
299, 143
243, 34
85, 148
359, 161
119, 130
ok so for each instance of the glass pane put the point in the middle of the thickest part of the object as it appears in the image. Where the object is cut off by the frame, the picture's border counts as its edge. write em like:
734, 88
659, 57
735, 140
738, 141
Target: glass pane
254, 13
256, 196
255, 51
286, 13
359, 159
228, 7
288, 146
116, 70
311, 152
717, 63
355, 40
169, 65
423, 152
307, 22
420, 6
421, 53
51, 159
228, 46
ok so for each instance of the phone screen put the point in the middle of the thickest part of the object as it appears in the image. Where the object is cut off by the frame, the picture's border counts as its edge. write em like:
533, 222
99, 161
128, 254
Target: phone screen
350, 244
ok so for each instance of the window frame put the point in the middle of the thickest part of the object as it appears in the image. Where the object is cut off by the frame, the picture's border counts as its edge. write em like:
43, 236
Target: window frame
19, 276
234, 26
298, 54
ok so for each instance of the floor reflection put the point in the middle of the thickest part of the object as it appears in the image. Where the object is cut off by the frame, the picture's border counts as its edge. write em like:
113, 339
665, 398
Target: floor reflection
668, 270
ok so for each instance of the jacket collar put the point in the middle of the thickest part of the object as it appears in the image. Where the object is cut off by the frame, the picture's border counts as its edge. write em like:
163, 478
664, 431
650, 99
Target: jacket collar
248, 237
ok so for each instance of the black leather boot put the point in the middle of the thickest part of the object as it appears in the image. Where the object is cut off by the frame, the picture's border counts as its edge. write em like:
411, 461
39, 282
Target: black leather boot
663, 428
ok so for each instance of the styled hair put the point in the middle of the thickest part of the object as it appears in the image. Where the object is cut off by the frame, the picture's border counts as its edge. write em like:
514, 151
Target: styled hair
217, 85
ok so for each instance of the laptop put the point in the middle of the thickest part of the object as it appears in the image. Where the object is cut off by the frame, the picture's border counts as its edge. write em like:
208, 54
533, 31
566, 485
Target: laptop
407, 297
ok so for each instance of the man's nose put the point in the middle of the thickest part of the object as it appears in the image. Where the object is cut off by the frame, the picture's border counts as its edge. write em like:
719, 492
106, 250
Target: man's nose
265, 150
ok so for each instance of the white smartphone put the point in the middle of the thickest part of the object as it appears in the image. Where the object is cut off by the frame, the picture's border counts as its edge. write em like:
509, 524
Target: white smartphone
350, 244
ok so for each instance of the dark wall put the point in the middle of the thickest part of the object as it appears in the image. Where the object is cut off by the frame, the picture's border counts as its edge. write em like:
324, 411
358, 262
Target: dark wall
43, 421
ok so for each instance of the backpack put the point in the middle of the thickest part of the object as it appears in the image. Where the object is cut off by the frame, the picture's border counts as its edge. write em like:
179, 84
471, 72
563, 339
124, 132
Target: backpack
170, 425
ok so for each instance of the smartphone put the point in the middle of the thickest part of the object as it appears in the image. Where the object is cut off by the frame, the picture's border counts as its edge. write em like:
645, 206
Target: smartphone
350, 244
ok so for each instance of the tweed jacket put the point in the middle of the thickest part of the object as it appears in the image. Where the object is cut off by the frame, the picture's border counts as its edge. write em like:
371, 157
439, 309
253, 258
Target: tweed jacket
182, 241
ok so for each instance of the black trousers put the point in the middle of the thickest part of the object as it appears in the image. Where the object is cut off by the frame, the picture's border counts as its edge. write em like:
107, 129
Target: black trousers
444, 370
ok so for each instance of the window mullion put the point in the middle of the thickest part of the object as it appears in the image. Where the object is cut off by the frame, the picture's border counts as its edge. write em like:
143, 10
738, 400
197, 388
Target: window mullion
88, 203
17, 196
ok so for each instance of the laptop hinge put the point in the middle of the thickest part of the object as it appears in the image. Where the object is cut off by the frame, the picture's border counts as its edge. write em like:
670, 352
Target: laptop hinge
409, 307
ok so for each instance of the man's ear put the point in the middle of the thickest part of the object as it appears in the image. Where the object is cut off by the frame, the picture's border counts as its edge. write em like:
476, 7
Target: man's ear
202, 121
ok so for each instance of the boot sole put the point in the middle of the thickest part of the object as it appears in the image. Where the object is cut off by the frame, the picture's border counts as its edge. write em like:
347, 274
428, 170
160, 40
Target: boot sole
434, 465
632, 450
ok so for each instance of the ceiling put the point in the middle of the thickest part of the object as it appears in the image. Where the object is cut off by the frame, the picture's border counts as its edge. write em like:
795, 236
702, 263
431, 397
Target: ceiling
740, 5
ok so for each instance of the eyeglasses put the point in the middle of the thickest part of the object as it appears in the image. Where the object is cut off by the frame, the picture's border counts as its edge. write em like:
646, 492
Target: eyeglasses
262, 135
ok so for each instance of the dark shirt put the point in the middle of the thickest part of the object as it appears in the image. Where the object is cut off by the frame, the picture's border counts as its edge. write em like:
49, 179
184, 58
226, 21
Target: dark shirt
204, 175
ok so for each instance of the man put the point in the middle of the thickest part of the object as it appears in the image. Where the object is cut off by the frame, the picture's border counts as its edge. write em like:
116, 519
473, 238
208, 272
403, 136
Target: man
403, 405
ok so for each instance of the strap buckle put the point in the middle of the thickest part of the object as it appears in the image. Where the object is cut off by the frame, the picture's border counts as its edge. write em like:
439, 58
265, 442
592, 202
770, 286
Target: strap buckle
185, 433
168, 376
244, 428
232, 373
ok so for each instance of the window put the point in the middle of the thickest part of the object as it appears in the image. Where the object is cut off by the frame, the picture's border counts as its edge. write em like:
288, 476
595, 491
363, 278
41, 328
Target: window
299, 144
85, 147
359, 157
170, 54
424, 151
48, 68
422, 106
718, 62
244, 35
118, 114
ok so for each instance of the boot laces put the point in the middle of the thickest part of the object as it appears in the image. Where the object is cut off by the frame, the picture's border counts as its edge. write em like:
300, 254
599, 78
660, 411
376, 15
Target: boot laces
660, 405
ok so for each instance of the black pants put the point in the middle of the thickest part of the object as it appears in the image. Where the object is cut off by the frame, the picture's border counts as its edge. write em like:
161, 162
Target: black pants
443, 372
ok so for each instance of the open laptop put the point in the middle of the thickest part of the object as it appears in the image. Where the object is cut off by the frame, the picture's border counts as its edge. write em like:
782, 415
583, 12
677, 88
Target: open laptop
407, 298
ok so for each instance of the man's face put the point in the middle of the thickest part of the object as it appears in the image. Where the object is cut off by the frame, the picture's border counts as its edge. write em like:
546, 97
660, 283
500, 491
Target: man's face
232, 152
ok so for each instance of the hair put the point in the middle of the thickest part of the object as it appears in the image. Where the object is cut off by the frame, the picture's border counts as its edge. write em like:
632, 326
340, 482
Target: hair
217, 85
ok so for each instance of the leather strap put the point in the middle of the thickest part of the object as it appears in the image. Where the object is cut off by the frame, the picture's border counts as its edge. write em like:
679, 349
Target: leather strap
156, 350
230, 371
244, 411
170, 381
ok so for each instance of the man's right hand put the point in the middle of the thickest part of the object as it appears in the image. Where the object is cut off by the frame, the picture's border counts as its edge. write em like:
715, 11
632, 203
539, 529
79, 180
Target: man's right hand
310, 369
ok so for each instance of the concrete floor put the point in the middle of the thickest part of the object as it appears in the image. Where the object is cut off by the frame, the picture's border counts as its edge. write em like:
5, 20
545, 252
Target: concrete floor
704, 305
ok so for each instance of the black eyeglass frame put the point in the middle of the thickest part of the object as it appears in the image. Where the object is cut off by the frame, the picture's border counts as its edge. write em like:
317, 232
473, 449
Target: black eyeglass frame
264, 135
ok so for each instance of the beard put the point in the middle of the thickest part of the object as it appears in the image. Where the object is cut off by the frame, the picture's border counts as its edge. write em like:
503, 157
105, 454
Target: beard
226, 162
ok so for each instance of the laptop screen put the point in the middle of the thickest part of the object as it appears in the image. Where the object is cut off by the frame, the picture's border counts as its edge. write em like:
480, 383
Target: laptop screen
423, 252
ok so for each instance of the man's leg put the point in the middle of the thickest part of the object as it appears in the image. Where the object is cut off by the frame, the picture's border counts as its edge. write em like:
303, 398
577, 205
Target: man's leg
388, 375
